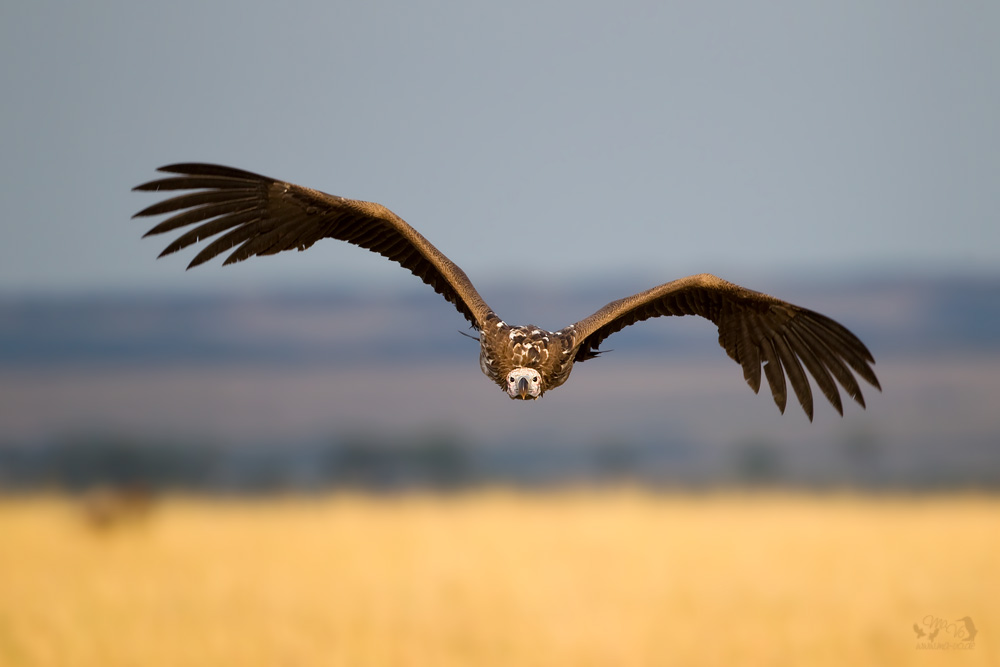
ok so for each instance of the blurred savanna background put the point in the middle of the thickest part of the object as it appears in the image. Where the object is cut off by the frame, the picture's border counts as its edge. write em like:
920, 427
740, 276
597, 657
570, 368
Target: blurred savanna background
296, 461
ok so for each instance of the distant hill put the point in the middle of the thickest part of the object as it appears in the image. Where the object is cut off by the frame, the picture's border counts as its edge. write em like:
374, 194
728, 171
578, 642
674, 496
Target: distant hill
318, 388
893, 316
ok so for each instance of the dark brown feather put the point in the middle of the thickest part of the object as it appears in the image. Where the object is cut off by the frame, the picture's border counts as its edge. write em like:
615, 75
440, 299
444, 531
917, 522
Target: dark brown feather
263, 216
755, 330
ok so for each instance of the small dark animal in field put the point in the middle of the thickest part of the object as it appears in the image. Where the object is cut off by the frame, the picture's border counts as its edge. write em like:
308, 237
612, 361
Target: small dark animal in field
107, 507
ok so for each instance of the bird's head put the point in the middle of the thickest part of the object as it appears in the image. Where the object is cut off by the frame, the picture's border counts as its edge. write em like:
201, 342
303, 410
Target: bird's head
524, 383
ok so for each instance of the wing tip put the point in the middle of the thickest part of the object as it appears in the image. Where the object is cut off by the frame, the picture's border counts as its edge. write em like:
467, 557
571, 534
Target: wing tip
187, 168
147, 212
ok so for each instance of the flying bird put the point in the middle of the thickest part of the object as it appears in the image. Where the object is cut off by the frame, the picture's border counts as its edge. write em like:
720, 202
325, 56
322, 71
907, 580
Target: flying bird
258, 215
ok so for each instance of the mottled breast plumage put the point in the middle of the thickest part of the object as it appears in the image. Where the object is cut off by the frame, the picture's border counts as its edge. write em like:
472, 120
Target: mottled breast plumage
504, 348
529, 346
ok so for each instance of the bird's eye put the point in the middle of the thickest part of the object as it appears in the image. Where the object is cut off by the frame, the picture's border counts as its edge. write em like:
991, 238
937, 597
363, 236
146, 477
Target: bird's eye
510, 379
534, 379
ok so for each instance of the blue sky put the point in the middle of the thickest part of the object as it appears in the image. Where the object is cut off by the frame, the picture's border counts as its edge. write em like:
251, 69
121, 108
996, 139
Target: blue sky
561, 140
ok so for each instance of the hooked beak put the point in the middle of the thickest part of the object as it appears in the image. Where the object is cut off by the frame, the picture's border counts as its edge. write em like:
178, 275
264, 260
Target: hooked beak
522, 388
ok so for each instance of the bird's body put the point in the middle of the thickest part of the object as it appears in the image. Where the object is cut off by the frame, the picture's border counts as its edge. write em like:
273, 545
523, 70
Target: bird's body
258, 215
509, 353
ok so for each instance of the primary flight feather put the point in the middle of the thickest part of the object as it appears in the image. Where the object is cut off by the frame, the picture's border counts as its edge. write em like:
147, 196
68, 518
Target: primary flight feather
250, 214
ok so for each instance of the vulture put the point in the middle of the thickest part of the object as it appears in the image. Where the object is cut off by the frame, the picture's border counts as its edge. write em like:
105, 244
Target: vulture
258, 215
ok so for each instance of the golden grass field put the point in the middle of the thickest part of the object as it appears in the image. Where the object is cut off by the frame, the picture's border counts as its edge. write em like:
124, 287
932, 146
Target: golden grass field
500, 578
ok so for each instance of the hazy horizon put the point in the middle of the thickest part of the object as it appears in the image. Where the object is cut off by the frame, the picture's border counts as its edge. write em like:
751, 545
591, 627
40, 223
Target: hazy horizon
288, 371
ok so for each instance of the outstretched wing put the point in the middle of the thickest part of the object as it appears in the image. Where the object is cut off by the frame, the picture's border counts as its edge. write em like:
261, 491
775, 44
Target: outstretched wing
753, 328
262, 216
